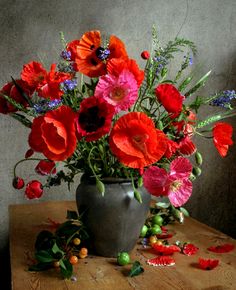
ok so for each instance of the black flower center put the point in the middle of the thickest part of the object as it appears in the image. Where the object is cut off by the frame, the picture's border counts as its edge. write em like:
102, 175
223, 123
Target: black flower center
90, 121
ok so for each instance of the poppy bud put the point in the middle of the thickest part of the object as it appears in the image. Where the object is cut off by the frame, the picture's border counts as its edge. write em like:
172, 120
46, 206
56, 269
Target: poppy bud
46, 167
34, 189
29, 153
145, 54
18, 183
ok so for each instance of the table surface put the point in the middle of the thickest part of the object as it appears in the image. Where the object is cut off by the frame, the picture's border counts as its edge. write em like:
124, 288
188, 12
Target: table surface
26, 221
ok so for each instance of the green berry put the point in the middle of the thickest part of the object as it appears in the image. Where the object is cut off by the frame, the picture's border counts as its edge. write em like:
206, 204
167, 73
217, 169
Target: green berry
123, 258
143, 231
157, 220
156, 229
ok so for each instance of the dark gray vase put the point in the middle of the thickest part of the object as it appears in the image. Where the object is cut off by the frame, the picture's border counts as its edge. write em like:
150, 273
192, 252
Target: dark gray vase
114, 220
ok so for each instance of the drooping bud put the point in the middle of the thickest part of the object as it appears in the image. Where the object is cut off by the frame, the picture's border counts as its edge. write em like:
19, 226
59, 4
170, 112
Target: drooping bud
34, 189
29, 153
145, 54
46, 167
18, 183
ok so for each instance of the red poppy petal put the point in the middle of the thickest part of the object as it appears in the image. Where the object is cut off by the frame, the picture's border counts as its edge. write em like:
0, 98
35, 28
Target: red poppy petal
221, 248
208, 264
166, 249
161, 261
189, 249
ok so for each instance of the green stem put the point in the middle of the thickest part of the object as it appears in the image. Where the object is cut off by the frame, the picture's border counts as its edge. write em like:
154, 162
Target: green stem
23, 160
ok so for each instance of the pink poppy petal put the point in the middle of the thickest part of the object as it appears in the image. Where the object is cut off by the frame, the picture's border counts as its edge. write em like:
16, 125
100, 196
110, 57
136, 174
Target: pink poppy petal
180, 196
180, 168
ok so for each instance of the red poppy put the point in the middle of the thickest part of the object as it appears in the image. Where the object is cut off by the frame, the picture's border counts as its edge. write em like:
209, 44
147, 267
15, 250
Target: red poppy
10, 90
51, 88
222, 137
221, 248
165, 249
54, 134
34, 74
145, 54
161, 261
72, 48
89, 60
34, 189
189, 249
94, 118
116, 65
136, 142
171, 149
170, 98
46, 167
208, 264
186, 146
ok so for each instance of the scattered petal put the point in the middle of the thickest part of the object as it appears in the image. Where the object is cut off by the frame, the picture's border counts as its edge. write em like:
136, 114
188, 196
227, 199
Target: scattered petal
189, 249
161, 261
221, 248
208, 264
165, 249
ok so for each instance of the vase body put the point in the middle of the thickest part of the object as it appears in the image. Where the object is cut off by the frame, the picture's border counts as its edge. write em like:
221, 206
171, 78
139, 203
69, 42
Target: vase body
114, 220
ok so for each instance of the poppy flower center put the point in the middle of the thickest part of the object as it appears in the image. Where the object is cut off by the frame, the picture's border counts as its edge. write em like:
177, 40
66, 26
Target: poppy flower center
175, 185
90, 120
118, 93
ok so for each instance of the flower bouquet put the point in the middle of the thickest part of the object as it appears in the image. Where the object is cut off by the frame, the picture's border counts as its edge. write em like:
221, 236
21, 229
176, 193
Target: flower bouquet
118, 121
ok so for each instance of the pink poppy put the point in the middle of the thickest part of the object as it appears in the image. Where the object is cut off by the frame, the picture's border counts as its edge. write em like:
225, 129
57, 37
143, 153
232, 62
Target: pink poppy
120, 91
175, 184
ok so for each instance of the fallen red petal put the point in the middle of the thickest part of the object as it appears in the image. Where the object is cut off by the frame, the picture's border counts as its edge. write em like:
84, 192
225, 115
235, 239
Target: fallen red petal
208, 264
189, 249
164, 236
221, 248
165, 249
161, 261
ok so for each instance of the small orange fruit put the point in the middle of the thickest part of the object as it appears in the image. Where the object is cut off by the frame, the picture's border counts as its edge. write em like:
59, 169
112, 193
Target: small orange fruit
73, 260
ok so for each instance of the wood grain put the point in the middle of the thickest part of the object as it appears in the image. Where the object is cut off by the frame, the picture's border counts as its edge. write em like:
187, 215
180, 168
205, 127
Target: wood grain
103, 273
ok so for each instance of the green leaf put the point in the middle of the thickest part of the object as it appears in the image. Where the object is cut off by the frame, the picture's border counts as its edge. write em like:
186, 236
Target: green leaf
26, 122
43, 256
56, 249
162, 204
44, 240
40, 267
184, 84
72, 215
22, 93
136, 269
66, 269
198, 85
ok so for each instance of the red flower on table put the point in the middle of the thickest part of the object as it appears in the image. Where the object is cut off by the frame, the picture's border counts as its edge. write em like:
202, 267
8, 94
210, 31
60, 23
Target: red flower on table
94, 118
170, 98
91, 55
189, 249
54, 134
136, 142
225, 248
222, 137
208, 264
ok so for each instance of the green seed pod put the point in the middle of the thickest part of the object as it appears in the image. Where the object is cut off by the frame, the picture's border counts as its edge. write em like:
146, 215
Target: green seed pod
192, 177
198, 158
197, 171
140, 181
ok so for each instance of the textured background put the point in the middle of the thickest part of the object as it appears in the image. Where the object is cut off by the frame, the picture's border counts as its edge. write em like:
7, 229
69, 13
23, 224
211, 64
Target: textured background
29, 30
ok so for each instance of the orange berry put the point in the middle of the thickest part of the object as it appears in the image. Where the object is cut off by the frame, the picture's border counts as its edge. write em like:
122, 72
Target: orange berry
159, 242
56, 264
76, 241
83, 251
73, 260
153, 239
82, 256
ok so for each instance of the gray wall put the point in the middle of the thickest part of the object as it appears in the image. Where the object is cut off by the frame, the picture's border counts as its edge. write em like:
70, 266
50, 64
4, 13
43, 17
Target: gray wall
30, 30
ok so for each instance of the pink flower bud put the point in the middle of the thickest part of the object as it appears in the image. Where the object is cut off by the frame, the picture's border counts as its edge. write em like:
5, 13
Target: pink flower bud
18, 183
29, 153
34, 189
145, 54
46, 167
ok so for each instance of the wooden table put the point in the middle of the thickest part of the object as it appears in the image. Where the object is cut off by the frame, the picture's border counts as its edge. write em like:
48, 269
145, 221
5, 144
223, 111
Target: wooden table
103, 273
